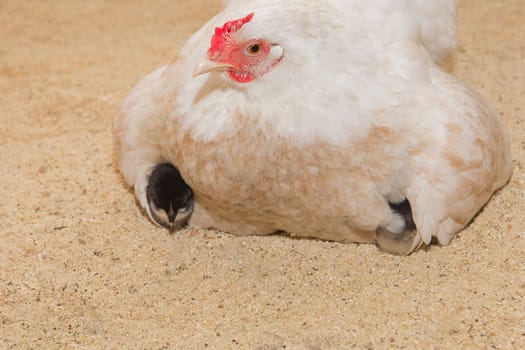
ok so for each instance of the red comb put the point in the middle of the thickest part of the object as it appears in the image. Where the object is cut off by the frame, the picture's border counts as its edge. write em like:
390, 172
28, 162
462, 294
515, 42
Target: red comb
219, 38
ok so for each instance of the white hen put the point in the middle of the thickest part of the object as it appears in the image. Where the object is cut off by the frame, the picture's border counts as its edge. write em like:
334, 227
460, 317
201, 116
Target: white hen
319, 118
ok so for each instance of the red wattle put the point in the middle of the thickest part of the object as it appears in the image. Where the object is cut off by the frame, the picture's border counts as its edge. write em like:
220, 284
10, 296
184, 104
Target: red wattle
241, 77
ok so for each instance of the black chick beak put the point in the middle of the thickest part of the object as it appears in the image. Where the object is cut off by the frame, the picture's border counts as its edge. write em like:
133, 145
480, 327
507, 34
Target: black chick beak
171, 214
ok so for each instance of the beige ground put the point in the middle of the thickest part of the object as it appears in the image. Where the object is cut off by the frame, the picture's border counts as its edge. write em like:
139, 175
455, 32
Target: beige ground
81, 267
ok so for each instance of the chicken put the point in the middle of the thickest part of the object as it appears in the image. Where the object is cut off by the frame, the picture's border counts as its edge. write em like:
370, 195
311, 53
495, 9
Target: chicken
326, 119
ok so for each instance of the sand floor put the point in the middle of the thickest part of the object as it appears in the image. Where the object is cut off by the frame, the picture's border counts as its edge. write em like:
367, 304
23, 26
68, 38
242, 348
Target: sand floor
82, 267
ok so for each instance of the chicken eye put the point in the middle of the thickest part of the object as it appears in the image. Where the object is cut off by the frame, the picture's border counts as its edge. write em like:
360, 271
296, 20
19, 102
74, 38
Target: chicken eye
253, 49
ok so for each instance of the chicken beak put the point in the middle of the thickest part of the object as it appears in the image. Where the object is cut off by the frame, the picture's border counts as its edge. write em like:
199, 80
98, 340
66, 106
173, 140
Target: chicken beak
207, 66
